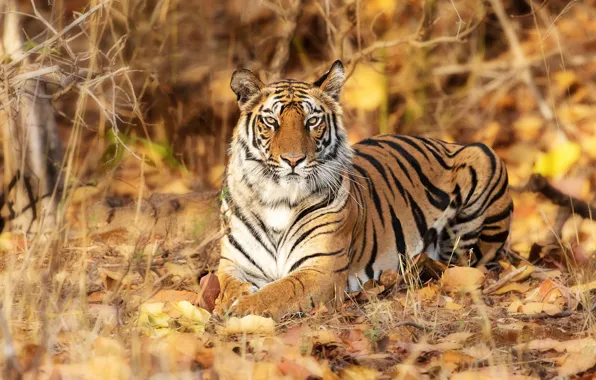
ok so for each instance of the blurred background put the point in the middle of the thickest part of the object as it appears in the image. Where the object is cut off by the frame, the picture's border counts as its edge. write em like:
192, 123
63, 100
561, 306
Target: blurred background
150, 108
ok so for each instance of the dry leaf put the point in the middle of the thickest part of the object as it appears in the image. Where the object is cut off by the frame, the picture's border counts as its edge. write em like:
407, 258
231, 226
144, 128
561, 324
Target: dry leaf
192, 317
574, 345
355, 372
513, 287
547, 292
457, 337
175, 296
210, 289
582, 288
540, 307
558, 161
577, 362
449, 305
152, 320
250, 324
462, 279
489, 373
428, 292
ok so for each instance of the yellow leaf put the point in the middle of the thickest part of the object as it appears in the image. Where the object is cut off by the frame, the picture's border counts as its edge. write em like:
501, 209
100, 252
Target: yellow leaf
565, 79
152, 320
462, 279
428, 292
457, 337
513, 287
453, 306
577, 362
528, 127
558, 161
540, 307
250, 324
365, 89
6, 242
583, 287
190, 311
355, 372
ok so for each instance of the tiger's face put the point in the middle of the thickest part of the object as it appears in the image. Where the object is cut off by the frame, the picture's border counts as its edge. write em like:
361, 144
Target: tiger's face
290, 136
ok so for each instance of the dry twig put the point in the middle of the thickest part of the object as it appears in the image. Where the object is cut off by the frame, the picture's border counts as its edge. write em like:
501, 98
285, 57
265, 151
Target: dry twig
503, 281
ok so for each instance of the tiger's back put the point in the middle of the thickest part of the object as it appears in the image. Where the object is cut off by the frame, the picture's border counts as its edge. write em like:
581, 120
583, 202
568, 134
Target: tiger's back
424, 195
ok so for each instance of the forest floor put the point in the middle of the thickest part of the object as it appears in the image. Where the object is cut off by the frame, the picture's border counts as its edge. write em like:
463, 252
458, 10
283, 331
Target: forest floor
128, 293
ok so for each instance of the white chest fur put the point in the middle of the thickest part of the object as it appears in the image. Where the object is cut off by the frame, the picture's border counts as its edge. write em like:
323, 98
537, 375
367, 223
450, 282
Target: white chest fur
278, 218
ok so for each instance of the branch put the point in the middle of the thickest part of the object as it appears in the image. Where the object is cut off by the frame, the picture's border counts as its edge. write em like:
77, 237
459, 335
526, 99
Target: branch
282, 53
53, 39
538, 184
520, 58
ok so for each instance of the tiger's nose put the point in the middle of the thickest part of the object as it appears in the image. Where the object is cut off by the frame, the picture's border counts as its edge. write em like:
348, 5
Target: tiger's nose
293, 159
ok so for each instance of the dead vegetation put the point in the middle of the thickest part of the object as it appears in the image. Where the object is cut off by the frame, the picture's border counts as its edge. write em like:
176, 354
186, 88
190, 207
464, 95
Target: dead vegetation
118, 288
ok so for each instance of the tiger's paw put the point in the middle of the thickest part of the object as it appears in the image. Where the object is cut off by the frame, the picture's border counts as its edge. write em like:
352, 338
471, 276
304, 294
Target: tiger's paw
233, 294
253, 304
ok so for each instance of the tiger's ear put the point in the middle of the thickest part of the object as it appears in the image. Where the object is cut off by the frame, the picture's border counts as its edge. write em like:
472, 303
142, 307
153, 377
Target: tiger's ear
245, 85
333, 80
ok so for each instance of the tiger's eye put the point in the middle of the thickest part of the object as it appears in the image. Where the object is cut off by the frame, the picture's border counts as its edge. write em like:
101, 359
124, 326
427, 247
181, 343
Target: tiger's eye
313, 121
270, 120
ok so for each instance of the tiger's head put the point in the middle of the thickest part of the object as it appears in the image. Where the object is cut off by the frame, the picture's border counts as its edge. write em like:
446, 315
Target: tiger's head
289, 141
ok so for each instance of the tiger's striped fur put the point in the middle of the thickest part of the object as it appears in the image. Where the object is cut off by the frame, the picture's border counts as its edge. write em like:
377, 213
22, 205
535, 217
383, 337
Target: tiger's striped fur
304, 213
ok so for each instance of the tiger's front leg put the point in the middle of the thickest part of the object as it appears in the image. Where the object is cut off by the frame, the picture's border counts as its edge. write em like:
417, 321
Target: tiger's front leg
298, 292
232, 288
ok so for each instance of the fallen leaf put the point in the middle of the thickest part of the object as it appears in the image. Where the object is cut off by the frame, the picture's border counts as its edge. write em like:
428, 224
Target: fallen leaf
540, 307
389, 278
489, 373
577, 362
574, 345
558, 160
175, 296
192, 317
427, 347
582, 288
152, 320
480, 351
457, 337
210, 289
449, 305
355, 372
513, 287
250, 324
547, 292
529, 269
457, 279
428, 292
457, 358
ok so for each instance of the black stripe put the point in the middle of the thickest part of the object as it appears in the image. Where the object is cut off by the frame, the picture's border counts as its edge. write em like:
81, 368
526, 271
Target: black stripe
373, 191
298, 263
238, 214
437, 197
434, 151
373, 255
241, 250
304, 235
474, 180
499, 217
398, 233
497, 238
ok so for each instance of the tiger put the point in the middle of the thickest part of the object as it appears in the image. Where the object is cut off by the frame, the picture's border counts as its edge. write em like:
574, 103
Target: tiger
307, 217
